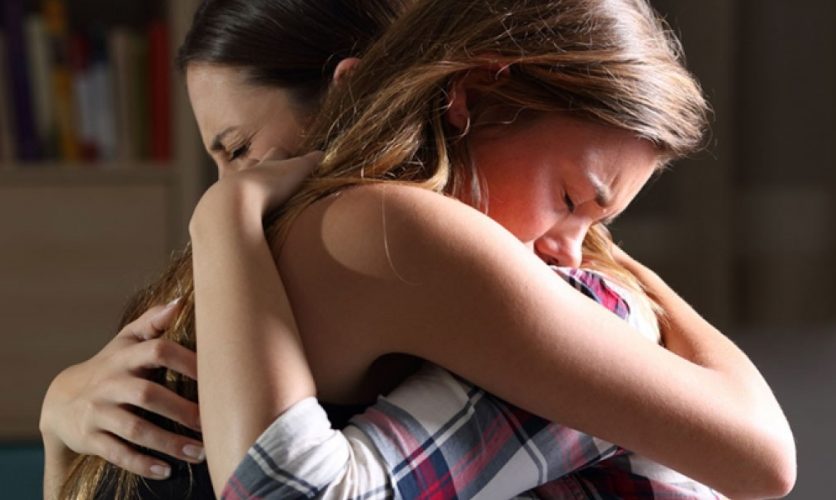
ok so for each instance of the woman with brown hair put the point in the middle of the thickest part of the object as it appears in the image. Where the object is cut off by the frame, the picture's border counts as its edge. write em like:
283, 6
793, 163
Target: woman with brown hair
130, 412
546, 116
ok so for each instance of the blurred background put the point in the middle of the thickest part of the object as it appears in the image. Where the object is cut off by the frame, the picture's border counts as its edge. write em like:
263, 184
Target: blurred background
100, 165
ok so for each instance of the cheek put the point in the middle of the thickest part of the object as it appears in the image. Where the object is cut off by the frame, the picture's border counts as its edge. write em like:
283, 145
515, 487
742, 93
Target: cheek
520, 200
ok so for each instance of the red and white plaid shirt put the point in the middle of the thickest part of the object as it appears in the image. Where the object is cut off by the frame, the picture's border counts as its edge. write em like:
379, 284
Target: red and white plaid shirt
439, 437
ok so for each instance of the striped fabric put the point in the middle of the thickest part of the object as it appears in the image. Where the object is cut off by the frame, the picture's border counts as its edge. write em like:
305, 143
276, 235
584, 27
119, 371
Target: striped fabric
439, 437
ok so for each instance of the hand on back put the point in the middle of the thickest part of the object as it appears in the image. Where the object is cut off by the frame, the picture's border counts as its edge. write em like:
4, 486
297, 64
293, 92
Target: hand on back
90, 408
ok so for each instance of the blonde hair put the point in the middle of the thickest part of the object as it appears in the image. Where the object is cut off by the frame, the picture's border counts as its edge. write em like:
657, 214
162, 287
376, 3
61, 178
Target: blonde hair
613, 62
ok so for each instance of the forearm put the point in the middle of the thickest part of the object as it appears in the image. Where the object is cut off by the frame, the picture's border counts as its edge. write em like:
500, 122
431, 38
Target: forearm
250, 361
738, 382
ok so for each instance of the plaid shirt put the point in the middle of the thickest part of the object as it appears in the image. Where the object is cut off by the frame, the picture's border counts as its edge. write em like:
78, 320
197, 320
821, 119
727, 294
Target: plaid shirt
439, 437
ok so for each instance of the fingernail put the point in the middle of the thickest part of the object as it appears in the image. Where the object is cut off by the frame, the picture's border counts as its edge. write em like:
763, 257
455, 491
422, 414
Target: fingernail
161, 471
195, 452
167, 309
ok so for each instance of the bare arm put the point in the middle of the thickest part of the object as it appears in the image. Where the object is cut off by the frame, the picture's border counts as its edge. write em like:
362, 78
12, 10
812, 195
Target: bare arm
246, 381
465, 294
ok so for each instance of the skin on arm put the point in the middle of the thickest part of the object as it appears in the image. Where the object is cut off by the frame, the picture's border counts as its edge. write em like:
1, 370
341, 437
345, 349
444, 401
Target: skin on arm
238, 310
401, 268
84, 410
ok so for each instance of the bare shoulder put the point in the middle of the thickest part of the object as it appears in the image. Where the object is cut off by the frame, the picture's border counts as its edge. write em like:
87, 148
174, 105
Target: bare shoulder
391, 268
396, 231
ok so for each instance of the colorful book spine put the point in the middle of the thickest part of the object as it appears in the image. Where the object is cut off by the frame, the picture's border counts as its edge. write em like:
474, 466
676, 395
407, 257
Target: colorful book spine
159, 70
55, 18
83, 96
25, 137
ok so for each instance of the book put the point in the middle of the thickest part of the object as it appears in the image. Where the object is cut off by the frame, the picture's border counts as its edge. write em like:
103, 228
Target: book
85, 100
7, 150
140, 103
122, 48
55, 19
159, 86
25, 137
104, 119
39, 61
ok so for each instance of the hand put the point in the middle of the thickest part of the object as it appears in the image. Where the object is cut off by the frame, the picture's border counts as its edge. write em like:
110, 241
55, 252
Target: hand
270, 182
87, 406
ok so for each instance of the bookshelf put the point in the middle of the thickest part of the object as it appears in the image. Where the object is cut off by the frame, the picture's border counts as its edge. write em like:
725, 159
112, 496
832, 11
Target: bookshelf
81, 235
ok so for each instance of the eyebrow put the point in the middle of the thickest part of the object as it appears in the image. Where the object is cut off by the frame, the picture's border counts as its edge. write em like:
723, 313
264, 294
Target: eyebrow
603, 195
217, 142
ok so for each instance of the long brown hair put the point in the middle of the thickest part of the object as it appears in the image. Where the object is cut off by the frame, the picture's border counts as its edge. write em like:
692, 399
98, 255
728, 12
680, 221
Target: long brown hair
613, 62
291, 44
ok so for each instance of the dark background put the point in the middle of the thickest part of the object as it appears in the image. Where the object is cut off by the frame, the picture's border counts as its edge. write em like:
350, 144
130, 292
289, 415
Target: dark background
745, 230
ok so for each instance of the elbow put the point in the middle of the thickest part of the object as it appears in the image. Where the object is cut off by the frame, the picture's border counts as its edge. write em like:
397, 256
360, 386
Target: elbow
783, 472
773, 475
781, 466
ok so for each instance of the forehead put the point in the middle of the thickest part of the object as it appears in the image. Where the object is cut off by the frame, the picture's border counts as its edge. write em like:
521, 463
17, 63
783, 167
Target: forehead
615, 163
222, 98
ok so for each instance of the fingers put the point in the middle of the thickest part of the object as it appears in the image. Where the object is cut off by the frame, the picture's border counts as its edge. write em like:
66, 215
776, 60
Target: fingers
153, 322
162, 353
123, 456
162, 320
137, 430
158, 399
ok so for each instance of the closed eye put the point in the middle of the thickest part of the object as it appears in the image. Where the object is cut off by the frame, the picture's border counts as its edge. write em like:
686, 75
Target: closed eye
570, 205
239, 152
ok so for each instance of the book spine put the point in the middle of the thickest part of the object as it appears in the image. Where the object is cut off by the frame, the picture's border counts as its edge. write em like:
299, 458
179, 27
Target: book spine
55, 18
159, 84
20, 86
37, 45
104, 109
84, 98
7, 149
119, 49
139, 100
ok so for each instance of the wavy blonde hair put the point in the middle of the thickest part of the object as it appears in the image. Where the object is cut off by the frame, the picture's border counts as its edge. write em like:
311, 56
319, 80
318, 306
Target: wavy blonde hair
613, 62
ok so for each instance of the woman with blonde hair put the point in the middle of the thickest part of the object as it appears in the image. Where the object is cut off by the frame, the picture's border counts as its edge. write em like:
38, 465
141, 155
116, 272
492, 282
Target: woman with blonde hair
476, 144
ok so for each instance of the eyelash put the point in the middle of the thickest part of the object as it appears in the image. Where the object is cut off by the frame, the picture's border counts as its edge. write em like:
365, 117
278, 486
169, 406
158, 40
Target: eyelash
239, 152
570, 205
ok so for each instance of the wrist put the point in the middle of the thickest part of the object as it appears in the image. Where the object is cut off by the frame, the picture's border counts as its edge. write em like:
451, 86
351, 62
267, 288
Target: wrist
226, 206
56, 452
54, 446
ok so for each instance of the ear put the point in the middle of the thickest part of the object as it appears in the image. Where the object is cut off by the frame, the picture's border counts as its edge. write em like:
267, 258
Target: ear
466, 90
458, 114
344, 69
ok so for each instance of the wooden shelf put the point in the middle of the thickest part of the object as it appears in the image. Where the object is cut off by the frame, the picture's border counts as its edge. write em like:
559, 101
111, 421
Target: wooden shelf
108, 173
79, 239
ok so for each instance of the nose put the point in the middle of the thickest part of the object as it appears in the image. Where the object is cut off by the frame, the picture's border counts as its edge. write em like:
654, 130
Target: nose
562, 247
